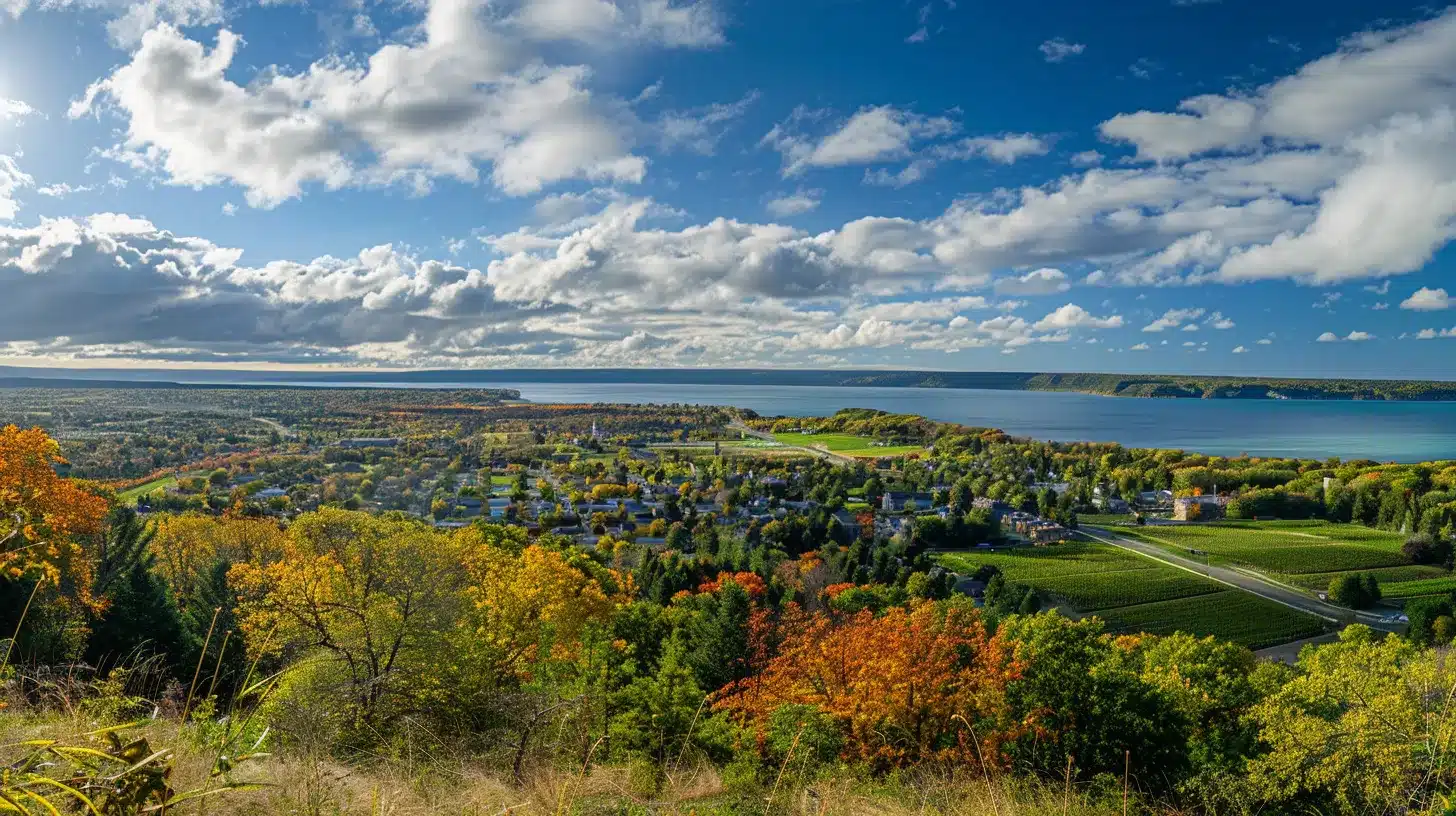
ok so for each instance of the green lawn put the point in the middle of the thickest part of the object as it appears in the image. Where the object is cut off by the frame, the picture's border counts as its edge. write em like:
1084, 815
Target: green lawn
1133, 593
845, 444
130, 496
1291, 548
499, 479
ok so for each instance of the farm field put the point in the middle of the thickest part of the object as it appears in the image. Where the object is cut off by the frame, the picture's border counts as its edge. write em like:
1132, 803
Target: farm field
1291, 548
1230, 613
845, 444
1402, 590
1133, 593
1111, 590
130, 496
1387, 576
1031, 565
1106, 519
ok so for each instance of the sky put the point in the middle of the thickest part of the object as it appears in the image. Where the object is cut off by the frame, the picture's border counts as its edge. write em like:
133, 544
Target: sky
1195, 186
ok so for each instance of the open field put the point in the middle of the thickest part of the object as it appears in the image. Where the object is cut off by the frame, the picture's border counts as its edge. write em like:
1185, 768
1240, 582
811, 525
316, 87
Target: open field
130, 496
1291, 548
1231, 614
1133, 593
845, 444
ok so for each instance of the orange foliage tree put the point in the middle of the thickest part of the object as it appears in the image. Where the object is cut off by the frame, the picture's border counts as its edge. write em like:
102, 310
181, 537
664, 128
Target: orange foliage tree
750, 581
43, 517
904, 687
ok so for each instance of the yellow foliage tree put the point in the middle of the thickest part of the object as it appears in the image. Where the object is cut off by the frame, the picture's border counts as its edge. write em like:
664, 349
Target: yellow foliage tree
372, 596
187, 546
524, 602
43, 517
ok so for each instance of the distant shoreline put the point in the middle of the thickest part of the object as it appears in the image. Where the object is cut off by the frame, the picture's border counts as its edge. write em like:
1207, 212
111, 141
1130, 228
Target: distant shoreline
1157, 386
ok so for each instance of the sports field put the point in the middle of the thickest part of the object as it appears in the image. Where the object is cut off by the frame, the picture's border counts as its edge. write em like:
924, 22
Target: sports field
845, 444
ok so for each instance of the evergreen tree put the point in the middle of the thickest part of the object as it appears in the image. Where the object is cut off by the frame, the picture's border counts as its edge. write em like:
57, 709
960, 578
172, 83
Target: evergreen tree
140, 616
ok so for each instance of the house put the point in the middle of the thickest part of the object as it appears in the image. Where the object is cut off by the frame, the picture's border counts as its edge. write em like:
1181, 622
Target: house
848, 521
1199, 508
997, 509
895, 501
369, 442
497, 507
271, 493
1155, 498
966, 585
468, 505
1047, 532
1110, 504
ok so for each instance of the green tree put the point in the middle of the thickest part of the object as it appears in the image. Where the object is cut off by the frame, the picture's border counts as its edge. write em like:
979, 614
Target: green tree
1082, 697
1347, 590
718, 636
656, 711
1365, 727
139, 616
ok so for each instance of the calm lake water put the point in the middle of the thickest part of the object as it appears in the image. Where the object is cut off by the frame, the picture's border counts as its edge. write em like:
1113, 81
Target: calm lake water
1384, 431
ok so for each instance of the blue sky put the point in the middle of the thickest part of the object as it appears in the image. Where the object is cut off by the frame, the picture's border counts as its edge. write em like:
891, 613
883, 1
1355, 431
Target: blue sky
1151, 185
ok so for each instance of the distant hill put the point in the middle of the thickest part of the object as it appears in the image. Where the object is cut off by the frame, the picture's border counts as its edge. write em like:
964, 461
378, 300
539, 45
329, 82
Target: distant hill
1166, 386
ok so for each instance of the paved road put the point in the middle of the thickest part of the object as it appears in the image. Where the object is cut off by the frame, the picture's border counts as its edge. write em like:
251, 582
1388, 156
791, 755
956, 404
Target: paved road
1262, 587
275, 425
738, 425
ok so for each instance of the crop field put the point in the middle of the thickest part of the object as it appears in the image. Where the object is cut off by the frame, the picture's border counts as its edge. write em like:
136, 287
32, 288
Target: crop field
1283, 547
845, 444
1387, 576
1133, 593
1031, 565
1111, 590
1231, 614
1402, 590
1106, 519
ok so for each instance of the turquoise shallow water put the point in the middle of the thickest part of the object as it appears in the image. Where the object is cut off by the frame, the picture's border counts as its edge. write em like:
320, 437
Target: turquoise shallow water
1384, 431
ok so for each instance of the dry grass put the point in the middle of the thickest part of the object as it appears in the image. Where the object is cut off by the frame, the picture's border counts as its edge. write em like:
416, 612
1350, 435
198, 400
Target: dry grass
312, 784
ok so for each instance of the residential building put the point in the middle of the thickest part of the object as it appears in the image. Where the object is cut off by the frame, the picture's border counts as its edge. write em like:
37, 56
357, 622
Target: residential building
895, 501
1199, 508
369, 442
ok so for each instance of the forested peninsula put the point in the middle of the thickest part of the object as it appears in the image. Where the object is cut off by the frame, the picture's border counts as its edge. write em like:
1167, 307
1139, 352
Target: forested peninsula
1167, 386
